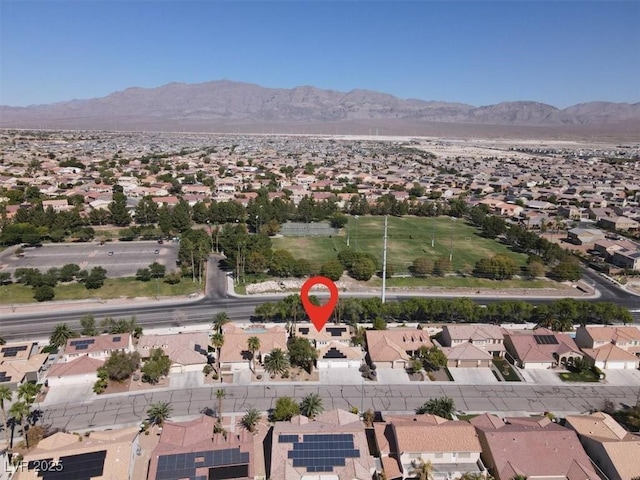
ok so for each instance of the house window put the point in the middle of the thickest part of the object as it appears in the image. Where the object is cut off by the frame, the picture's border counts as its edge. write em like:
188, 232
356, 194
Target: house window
464, 454
438, 455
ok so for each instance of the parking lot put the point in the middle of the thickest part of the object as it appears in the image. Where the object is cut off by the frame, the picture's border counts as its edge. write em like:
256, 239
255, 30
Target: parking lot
120, 259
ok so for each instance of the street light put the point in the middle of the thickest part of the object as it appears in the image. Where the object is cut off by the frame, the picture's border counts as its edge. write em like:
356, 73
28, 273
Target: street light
357, 217
451, 247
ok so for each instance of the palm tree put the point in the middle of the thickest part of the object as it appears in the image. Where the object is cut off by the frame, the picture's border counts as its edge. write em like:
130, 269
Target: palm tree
471, 476
311, 405
423, 470
220, 394
20, 411
251, 419
2, 340
61, 333
276, 361
159, 412
217, 340
28, 392
5, 395
253, 344
219, 321
443, 407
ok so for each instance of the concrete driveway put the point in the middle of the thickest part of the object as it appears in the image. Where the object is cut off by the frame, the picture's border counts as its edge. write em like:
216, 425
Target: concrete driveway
473, 376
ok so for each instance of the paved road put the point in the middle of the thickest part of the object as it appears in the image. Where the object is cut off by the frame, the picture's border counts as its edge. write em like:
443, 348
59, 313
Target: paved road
515, 398
24, 326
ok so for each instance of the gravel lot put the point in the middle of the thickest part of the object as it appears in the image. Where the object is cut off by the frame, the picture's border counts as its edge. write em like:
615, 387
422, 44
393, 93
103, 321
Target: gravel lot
126, 259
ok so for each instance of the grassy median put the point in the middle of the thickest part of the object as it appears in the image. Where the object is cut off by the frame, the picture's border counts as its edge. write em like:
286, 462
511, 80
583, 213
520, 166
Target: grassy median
112, 288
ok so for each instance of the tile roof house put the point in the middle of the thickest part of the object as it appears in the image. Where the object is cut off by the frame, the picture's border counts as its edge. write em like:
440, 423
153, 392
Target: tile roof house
610, 347
191, 450
393, 348
614, 450
334, 446
234, 354
83, 369
467, 355
541, 348
20, 362
404, 441
100, 455
188, 351
534, 447
489, 338
328, 333
339, 355
100, 346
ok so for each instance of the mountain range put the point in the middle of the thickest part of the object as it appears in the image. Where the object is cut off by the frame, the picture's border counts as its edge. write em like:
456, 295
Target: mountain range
227, 105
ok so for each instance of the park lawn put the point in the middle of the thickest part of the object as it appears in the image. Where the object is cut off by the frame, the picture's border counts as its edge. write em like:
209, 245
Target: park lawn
584, 376
408, 238
112, 288
463, 282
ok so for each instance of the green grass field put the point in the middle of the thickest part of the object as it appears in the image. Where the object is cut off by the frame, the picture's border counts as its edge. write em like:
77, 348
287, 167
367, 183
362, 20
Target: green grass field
462, 282
409, 238
112, 288
585, 376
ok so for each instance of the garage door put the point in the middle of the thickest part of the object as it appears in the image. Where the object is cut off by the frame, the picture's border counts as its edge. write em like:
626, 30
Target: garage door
176, 369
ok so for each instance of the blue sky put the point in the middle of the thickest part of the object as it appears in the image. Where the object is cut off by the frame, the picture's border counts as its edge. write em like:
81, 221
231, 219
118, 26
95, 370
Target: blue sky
480, 52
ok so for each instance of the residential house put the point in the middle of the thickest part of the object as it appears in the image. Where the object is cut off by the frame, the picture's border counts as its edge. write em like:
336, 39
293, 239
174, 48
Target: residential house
584, 236
83, 369
57, 205
100, 346
339, 355
235, 355
327, 334
610, 347
333, 446
541, 348
621, 223
21, 362
489, 338
534, 447
406, 441
188, 351
98, 455
614, 450
393, 348
192, 450
629, 259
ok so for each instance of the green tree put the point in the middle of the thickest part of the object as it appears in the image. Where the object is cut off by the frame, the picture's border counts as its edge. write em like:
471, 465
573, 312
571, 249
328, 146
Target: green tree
143, 274
256, 263
362, 269
251, 419
27, 392
88, 324
282, 263
120, 365
566, 271
276, 361
157, 366
146, 211
157, 270
96, 278
220, 394
492, 226
332, 269
159, 412
43, 293
68, 272
61, 333
286, 408
217, 341
181, 216
20, 411
253, 345
301, 353
311, 405
6, 395
118, 208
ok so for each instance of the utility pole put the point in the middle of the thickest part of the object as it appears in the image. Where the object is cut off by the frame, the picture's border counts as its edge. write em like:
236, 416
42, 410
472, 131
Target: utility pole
384, 261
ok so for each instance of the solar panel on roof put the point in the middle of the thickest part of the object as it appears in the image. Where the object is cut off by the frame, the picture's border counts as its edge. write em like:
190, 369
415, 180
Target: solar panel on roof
321, 452
336, 331
13, 351
333, 352
546, 339
74, 467
117, 339
4, 377
304, 330
183, 465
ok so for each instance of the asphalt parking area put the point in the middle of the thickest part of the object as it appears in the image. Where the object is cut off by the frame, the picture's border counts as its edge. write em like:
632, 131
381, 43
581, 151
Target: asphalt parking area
120, 259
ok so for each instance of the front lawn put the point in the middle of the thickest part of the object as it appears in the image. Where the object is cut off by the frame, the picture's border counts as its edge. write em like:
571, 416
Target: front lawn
464, 282
506, 370
583, 376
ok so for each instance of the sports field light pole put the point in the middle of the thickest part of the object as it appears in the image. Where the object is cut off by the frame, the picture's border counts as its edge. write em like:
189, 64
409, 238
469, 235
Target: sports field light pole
384, 261
453, 219
357, 217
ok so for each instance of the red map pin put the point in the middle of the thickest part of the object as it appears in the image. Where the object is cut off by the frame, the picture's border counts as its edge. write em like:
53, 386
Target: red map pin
319, 314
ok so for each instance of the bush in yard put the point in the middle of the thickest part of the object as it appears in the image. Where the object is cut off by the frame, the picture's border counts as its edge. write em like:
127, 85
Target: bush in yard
43, 293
